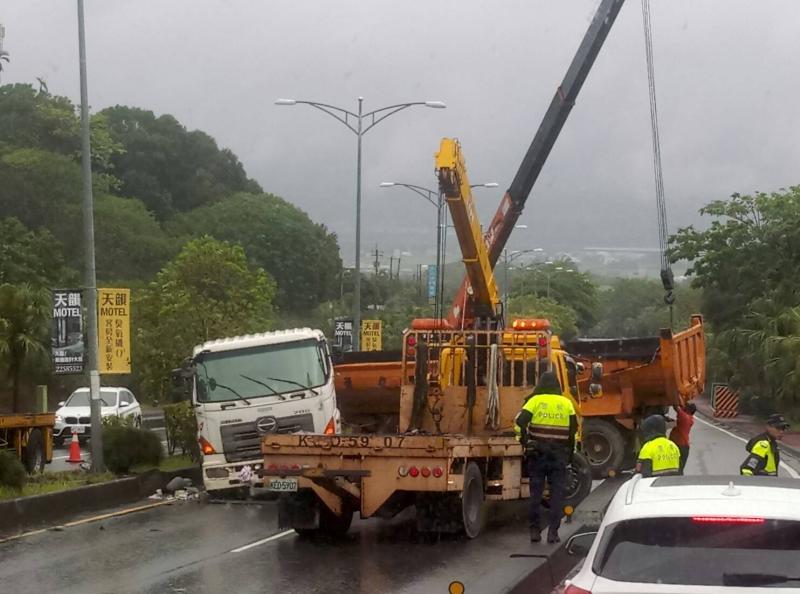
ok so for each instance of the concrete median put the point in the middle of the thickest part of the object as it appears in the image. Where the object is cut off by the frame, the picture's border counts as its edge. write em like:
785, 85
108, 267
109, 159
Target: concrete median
40, 511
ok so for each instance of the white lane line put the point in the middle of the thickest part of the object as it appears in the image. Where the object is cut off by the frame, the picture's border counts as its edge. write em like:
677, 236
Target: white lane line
792, 472
263, 541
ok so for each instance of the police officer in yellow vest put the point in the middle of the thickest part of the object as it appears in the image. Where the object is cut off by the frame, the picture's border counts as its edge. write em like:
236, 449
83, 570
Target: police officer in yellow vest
765, 457
659, 456
547, 425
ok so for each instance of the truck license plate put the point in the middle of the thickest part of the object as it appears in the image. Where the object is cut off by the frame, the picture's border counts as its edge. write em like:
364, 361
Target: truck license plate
288, 485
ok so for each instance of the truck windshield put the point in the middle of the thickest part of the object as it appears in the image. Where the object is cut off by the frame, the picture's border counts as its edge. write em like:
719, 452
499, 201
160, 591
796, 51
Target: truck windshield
270, 370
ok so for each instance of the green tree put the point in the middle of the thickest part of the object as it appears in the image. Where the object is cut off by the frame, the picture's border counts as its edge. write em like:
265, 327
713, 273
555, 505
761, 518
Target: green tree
167, 167
130, 243
29, 256
207, 291
24, 331
554, 281
302, 256
563, 318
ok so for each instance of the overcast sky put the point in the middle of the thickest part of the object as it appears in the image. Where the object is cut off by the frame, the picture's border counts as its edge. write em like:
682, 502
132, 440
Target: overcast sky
726, 72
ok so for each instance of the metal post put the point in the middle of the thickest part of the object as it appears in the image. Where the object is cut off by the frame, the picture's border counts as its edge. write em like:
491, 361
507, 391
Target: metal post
90, 279
357, 283
505, 281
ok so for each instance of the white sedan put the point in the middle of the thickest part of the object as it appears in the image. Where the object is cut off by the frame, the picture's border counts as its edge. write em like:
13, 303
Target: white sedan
697, 534
74, 413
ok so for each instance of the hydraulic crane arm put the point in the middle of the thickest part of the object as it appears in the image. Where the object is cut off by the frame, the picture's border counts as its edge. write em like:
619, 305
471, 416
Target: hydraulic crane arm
454, 185
463, 310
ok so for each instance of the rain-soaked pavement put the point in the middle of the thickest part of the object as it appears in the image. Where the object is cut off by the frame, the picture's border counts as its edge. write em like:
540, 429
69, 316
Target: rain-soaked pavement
204, 548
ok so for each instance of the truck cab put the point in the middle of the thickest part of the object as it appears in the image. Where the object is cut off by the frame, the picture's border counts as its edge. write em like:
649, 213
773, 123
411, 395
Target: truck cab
246, 387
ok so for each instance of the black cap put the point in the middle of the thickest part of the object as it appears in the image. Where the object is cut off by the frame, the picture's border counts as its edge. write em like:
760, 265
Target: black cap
778, 421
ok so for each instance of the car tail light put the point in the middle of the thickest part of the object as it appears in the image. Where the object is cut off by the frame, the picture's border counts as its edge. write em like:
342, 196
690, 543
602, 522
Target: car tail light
272, 467
426, 472
726, 520
402, 471
330, 428
542, 340
411, 341
576, 590
437, 471
413, 471
295, 467
205, 446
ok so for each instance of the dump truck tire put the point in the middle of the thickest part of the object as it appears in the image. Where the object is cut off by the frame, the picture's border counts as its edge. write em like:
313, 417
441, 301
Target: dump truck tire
472, 500
579, 480
34, 452
332, 525
604, 446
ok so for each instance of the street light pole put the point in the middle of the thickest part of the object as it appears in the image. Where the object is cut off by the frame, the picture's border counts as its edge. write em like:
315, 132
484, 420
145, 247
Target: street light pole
441, 232
90, 276
347, 117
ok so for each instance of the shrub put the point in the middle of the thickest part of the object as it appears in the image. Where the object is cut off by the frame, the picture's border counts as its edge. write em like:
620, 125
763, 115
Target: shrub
125, 447
12, 472
115, 421
181, 428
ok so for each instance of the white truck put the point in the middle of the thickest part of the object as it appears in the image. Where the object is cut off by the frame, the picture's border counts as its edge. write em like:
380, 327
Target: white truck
246, 387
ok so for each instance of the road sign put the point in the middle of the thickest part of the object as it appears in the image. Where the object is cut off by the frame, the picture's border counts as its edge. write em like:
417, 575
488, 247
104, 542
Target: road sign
371, 333
68, 348
343, 334
114, 330
433, 278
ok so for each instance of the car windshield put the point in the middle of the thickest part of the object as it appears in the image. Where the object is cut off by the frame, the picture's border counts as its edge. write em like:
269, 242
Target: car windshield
81, 398
261, 371
700, 551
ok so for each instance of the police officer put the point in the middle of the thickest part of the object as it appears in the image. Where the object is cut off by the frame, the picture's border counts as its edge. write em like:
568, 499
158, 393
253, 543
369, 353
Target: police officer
659, 456
765, 457
547, 425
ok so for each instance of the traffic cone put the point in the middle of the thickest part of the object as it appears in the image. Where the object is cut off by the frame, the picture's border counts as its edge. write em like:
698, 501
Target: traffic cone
74, 449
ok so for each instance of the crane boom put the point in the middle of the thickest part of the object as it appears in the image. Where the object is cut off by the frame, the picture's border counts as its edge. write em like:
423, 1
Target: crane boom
454, 185
463, 310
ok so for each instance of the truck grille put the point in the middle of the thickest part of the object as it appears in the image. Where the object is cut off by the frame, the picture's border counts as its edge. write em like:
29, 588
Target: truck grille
242, 441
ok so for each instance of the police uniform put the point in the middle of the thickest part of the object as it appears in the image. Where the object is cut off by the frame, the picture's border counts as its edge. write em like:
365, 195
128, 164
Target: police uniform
765, 457
547, 425
659, 457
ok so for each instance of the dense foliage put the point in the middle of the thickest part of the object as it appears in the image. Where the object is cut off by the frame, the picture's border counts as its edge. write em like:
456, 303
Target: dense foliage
747, 263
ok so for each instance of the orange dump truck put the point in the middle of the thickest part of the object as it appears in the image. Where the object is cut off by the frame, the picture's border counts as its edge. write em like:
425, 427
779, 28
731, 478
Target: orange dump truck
641, 376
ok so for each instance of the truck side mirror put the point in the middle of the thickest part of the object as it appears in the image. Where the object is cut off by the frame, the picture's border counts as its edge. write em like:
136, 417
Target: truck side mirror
597, 372
181, 383
595, 390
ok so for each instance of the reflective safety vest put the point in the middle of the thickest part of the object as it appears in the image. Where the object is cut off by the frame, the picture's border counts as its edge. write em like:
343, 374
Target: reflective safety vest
762, 460
664, 456
550, 415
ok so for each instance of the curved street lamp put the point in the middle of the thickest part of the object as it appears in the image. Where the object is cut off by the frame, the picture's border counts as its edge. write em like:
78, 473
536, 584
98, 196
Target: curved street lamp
359, 123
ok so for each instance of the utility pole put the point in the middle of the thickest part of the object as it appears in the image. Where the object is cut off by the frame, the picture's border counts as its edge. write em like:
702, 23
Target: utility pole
391, 266
90, 278
377, 262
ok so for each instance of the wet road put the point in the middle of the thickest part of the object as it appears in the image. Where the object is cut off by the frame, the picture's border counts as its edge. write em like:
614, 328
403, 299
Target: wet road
192, 547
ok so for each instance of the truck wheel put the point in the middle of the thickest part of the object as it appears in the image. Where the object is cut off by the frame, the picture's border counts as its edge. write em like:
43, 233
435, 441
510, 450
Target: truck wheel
472, 497
579, 480
332, 525
34, 452
604, 446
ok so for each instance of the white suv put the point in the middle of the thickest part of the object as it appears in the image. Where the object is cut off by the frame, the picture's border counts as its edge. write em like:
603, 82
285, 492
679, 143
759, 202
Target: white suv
697, 534
74, 413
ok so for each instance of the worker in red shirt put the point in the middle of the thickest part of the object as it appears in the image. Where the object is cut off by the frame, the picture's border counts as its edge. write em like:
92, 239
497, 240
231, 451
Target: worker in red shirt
680, 433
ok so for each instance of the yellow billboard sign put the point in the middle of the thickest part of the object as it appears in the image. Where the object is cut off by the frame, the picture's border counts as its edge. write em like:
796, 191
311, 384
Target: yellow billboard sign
371, 335
114, 330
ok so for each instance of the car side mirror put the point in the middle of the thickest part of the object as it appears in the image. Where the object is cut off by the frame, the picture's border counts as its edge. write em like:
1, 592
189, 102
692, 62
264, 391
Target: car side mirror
579, 545
597, 372
62, 403
124, 403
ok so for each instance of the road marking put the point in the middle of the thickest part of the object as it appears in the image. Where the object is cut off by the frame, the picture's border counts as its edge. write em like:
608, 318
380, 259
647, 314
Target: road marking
122, 512
263, 541
792, 472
